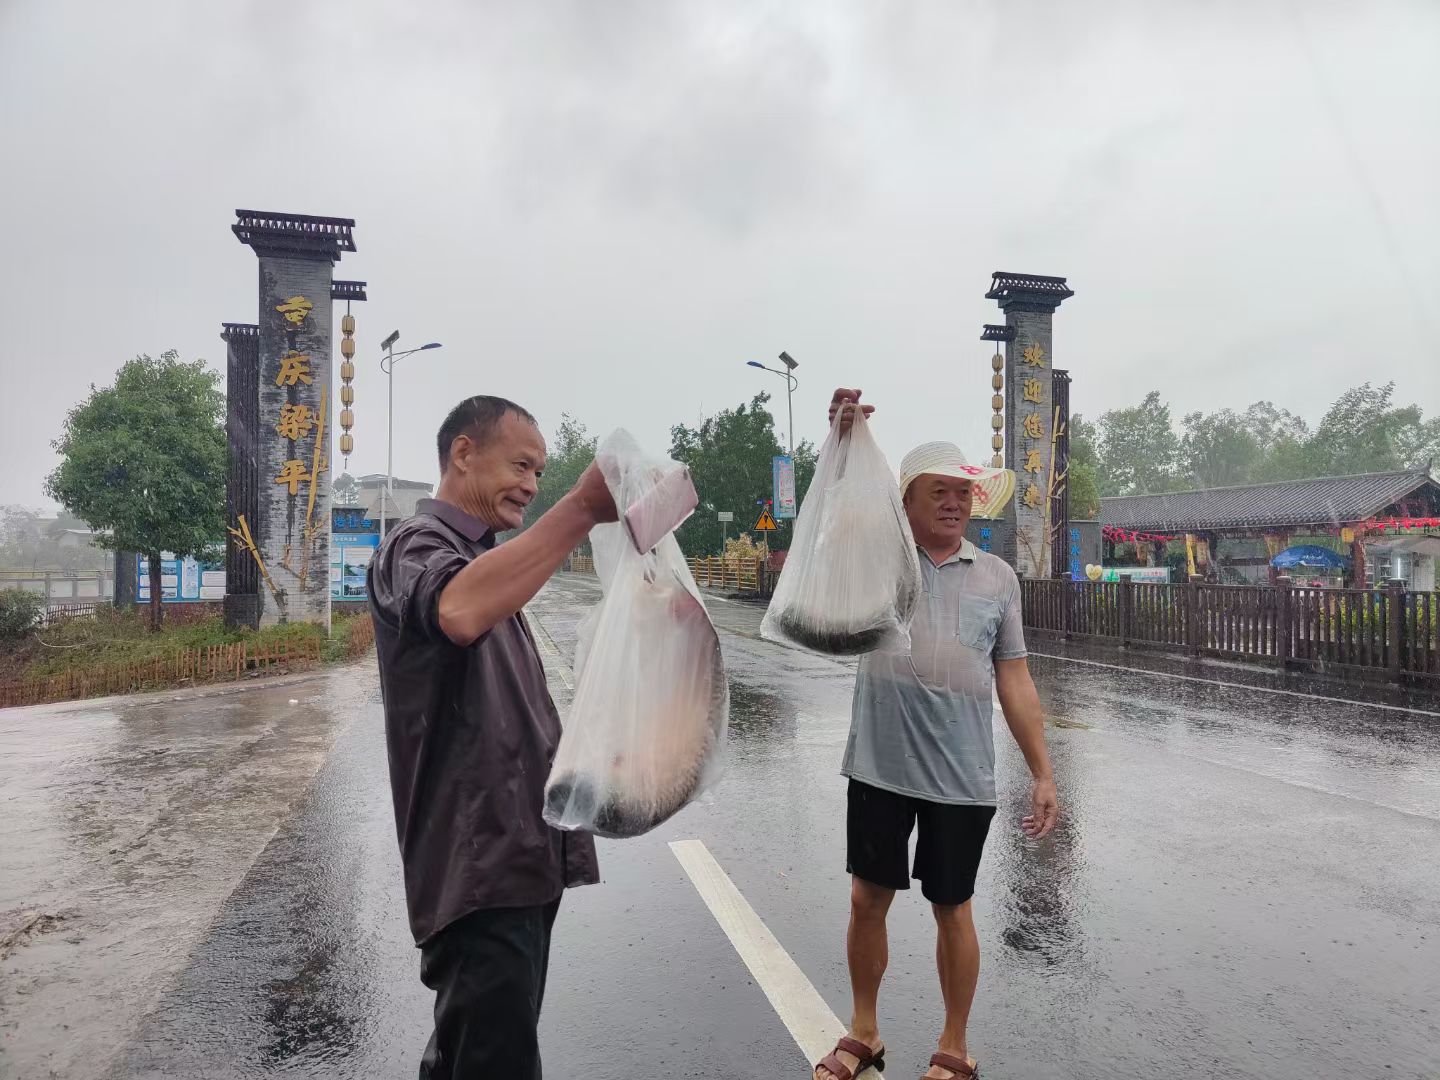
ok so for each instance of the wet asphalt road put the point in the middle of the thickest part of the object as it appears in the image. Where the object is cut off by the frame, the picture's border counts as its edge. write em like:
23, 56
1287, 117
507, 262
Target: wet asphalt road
1244, 884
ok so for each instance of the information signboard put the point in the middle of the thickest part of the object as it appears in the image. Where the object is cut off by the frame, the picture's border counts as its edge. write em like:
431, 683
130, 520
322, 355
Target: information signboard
354, 539
783, 472
182, 581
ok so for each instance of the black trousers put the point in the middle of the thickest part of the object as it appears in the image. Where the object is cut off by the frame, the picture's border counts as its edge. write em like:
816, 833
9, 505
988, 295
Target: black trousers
488, 973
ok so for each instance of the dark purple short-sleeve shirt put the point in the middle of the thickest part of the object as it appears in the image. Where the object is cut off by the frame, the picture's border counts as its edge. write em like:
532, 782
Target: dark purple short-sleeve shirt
471, 734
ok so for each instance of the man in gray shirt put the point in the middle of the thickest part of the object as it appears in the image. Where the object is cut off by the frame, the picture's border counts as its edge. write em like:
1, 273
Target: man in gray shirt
922, 750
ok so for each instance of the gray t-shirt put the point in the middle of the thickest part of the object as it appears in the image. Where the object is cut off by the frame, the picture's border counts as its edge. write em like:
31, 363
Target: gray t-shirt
921, 719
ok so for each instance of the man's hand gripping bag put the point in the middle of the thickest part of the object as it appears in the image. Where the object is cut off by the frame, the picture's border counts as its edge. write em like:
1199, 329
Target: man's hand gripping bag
646, 731
851, 578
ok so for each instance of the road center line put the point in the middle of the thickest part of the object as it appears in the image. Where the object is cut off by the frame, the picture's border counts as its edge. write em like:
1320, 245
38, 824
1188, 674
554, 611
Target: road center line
801, 1008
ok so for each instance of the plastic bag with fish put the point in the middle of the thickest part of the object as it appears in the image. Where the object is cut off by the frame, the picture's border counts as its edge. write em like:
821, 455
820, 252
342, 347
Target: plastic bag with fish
646, 731
852, 577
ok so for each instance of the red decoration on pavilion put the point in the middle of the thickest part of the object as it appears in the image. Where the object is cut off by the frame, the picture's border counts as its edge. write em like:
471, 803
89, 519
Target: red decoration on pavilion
1125, 536
1400, 524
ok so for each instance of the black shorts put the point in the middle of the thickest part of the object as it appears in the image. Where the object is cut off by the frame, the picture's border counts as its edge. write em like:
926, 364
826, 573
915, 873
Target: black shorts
947, 855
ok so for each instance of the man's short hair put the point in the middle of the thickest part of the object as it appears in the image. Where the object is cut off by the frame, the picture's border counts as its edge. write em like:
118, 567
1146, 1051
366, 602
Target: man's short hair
477, 417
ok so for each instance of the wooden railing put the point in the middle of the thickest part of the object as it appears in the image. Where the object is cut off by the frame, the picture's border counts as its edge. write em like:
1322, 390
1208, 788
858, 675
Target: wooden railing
710, 572
1385, 630
207, 664
718, 572
65, 612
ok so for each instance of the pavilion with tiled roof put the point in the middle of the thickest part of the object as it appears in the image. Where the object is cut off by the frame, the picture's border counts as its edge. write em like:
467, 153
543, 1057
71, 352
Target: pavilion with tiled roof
1396, 513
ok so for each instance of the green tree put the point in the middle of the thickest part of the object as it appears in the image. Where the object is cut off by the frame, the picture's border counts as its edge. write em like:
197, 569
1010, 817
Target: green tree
21, 542
1364, 431
1084, 441
20, 612
730, 458
565, 460
1134, 451
1217, 450
1138, 449
1084, 470
1283, 444
566, 457
1084, 487
144, 463
345, 491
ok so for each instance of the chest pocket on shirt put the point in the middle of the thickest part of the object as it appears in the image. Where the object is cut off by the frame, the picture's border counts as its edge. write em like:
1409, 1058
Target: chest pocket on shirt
978, 622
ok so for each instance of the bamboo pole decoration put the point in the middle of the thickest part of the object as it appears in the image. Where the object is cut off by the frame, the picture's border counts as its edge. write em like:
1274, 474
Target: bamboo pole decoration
309, 531
1055, 433
243, 537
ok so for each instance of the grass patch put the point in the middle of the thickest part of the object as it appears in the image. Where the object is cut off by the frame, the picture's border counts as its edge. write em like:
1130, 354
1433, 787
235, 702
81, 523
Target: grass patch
117, 637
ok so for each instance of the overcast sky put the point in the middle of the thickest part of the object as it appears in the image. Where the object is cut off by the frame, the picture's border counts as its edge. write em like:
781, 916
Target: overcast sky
607, 208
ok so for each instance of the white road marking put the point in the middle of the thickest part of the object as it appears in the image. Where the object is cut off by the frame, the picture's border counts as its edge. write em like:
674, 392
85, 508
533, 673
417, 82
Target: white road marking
803, 1011
547, 646
1239, 686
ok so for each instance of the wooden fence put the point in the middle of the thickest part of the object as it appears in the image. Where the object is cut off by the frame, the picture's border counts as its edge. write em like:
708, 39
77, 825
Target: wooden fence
1388, 631
742, 575
710, 572
65, 612
207, 664
362, 636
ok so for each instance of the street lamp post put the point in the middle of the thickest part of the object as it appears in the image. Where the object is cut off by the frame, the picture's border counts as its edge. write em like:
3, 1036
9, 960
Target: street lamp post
387, 365
790, 383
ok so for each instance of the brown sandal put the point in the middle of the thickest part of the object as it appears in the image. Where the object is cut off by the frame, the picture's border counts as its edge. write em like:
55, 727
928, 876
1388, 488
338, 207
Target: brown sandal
832, 1064
963, 1070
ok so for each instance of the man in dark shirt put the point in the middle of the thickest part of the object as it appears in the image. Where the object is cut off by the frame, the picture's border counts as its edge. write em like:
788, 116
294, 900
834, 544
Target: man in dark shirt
471, 732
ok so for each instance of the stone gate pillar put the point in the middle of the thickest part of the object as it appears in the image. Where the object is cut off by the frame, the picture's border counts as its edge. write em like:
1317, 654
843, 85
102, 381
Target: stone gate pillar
297, 255
242, 436
1029, 302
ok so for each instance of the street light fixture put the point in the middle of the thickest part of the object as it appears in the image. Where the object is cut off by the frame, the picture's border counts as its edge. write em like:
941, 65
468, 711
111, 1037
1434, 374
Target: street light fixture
790, 383
387, 365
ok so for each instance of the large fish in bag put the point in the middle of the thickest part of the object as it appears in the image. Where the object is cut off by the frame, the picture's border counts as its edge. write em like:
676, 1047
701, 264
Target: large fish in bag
852, 576
646, 731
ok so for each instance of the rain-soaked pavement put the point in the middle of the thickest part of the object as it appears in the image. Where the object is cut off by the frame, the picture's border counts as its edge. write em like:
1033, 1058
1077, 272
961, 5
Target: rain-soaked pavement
1245, 883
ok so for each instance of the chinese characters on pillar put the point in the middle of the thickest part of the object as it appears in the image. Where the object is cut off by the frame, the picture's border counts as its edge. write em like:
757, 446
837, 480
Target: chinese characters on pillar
1033, 428
293, 473
297, 424
295, 421
296, 310
294, 368
1031, 454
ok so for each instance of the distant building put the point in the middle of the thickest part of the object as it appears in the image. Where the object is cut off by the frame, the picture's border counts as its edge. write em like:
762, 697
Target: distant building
63, 542
70, 539
370, 496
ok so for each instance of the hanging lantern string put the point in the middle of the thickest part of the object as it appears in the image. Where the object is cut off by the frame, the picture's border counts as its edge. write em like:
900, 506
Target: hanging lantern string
347, 376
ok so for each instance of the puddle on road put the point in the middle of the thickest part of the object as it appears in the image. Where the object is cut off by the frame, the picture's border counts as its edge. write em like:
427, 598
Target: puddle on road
19, 928
135, 822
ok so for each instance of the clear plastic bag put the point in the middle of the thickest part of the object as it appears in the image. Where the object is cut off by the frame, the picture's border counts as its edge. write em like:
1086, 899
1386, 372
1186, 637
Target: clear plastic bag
852, 577
646, 731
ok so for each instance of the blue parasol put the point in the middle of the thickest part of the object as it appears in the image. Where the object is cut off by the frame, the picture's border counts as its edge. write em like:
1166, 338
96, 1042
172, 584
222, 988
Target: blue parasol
1311, 556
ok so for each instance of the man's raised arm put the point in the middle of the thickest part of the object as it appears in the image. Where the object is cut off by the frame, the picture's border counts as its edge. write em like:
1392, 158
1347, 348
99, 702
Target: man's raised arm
501, 581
